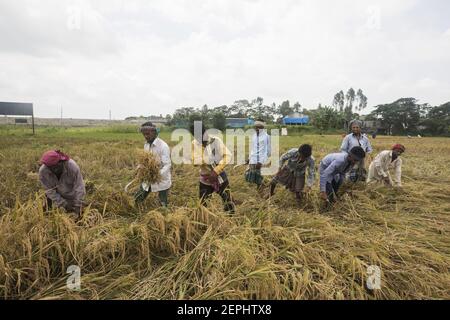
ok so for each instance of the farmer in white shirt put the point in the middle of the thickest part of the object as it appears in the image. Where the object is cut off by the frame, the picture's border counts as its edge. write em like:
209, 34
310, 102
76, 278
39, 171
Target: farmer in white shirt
161, 149
385, 160
357, 139
259, 154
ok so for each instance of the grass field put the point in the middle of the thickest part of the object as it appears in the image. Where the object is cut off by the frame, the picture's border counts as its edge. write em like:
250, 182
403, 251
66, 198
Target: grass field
269, 250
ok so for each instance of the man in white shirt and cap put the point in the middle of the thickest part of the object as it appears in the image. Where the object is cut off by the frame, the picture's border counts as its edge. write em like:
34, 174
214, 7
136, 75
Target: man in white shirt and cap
259, 154
384, 161
157, 146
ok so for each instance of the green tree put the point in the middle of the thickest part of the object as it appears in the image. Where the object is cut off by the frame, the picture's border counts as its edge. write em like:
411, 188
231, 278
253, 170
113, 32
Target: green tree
223, 109
325, 118
285, 109
297, 107
258, 110
437, 120
349, 103
181, 116
350, 99
169, 120
402, 116
361, 100
339, 101
205, 110
239, 108
219, 121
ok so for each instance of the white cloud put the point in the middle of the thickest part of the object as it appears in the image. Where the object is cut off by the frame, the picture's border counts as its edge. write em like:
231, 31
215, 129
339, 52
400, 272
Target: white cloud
427, 83
141, 57
447, 33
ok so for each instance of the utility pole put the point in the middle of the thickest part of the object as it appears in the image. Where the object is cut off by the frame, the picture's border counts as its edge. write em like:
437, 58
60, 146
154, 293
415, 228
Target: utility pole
61, 116
32, 118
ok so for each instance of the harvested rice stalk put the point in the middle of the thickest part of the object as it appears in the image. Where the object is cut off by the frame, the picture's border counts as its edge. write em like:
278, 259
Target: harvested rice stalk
90, 186
269, 250
33, 176
149, 167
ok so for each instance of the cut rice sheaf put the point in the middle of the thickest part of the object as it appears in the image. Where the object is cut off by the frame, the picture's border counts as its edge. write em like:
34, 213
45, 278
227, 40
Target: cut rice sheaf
149, 167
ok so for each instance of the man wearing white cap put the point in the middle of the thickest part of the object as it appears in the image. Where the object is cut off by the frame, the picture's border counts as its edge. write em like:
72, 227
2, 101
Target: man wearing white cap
259, 154
160, 148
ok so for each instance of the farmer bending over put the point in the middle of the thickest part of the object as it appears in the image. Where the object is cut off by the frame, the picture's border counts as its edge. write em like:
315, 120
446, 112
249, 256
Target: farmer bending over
385, 160
333, 169
259, 154
158, 147
292, 175
62, 180
211, 154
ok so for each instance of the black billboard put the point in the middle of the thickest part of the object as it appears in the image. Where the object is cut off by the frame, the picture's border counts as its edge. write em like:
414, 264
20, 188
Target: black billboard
16, 109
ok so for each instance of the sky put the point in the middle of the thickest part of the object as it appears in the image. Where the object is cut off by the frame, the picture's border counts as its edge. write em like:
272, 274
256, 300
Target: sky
153, 56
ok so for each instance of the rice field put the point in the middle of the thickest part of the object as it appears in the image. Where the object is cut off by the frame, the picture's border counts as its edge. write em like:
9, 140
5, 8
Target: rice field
270, 249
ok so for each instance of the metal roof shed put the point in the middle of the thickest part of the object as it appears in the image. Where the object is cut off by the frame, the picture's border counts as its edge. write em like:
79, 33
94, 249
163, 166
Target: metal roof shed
17, 109
295, 121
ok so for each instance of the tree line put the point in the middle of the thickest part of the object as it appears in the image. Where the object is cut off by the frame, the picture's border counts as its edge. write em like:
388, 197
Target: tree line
401, 117
253, 109
407, 116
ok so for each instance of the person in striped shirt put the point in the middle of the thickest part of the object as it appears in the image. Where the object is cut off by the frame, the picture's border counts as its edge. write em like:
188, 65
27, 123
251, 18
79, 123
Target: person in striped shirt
295, 165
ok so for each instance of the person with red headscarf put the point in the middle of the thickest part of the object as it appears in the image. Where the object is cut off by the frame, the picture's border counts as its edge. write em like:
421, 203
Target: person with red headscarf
383, 162
62, 180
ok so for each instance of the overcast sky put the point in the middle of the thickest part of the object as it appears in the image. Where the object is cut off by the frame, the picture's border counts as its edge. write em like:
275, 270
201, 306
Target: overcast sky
153, 56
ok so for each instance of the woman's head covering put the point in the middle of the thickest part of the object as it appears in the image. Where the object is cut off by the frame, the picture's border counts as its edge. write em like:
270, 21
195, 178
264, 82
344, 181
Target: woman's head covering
399, 146
53, 157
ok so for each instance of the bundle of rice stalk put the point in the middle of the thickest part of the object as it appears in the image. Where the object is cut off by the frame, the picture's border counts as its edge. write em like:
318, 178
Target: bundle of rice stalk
149, 167
33, 176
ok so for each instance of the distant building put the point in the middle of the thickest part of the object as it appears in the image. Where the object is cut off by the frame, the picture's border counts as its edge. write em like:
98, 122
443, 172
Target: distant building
239, 122
155, 119
296, 119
